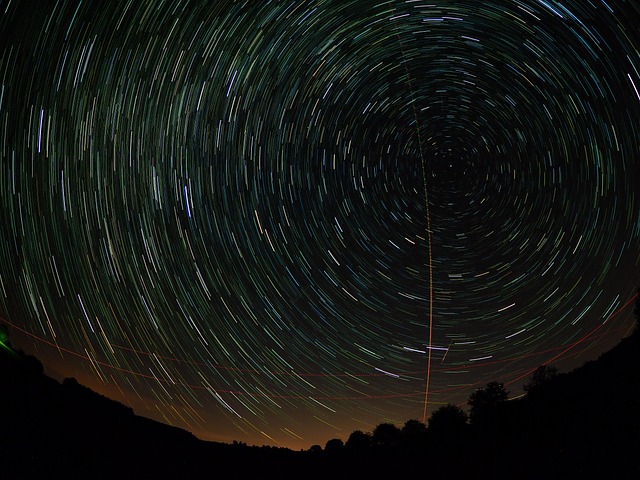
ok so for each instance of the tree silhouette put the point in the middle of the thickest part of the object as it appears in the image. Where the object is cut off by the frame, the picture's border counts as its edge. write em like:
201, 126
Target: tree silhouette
540, 378
359, 441
448, 420
386, 435
484, 402
334, 446
413, 431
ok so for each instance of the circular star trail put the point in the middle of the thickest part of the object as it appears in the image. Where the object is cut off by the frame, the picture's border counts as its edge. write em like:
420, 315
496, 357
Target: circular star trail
225, 213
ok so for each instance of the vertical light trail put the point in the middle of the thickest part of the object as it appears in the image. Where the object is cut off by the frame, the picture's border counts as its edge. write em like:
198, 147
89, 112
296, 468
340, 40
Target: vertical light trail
426, 205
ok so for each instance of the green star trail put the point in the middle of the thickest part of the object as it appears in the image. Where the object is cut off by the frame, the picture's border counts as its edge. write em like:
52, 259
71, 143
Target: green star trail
279, 221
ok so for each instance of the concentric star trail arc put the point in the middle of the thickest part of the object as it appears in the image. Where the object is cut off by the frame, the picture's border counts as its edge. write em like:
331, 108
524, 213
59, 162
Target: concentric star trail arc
285, 221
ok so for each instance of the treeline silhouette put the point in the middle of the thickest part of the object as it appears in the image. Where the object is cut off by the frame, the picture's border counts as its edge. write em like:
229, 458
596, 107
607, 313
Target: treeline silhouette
582, 424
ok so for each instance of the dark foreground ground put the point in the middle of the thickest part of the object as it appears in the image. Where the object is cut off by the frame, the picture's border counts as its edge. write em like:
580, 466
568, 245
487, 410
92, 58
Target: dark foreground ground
584, 424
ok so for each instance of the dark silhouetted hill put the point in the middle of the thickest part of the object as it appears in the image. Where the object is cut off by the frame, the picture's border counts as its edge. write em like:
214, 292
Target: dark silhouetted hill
52, 430
582, 424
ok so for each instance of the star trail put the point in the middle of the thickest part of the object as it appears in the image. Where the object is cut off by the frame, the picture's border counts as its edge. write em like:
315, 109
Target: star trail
278, 222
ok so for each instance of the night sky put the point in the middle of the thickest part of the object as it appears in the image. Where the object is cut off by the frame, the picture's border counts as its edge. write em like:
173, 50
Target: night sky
279, 222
